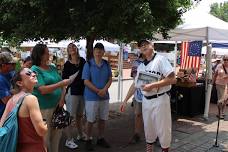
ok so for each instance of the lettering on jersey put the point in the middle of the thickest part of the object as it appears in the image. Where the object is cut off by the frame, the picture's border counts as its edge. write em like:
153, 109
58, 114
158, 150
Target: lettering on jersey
154, 72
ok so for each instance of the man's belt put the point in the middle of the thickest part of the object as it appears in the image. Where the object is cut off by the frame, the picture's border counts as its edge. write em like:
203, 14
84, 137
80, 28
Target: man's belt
155, 96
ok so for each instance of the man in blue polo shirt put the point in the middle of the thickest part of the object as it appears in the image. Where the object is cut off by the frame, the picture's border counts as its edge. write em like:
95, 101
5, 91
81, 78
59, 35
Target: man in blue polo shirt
7, 66
97, 77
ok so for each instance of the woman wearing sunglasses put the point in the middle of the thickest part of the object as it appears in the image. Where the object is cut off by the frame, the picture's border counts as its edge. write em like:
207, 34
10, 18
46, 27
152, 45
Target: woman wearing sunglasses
50, 91
221, 80
32, 128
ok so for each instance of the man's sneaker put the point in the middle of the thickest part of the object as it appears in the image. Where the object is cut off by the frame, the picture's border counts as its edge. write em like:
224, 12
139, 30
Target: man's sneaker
135, 139
70, 144
89, 145
103, 143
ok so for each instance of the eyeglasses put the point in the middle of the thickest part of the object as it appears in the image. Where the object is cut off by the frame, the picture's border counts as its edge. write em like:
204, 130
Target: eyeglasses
29, 73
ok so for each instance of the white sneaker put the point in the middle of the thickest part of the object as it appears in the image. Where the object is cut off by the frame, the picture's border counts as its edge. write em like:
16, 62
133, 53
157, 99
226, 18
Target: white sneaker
71, 144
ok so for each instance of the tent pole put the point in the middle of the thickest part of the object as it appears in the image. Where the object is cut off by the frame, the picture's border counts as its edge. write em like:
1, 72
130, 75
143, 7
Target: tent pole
175, 58
208, 86
121, 80
120, 67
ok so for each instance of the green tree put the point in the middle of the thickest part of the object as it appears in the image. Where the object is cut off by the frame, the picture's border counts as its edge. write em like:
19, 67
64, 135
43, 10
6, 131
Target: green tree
125, 20
220, 10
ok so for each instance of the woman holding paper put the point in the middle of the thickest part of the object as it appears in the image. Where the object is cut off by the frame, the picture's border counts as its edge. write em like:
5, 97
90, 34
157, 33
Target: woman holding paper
74, 97
50, 91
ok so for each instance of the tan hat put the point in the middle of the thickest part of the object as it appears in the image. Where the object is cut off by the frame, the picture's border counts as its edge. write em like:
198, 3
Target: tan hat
214, 60
5, 57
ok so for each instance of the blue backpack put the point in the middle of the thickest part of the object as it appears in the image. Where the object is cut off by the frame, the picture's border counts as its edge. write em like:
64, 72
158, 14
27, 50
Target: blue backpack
9, 130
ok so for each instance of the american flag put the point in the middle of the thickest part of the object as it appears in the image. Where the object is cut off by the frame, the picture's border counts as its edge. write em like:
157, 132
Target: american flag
191, 54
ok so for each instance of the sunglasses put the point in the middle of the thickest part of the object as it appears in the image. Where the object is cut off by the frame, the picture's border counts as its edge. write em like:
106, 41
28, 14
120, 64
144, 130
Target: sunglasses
225, 59
29, 73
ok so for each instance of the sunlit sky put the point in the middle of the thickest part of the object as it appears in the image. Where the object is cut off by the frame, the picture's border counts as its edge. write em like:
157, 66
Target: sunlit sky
204, 5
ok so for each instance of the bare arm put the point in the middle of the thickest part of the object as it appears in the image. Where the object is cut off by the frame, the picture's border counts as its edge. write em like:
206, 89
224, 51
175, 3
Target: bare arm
6, 111
108, 84
102, 92
170, 79
62, 99
35, 115
46, 89
89, 84
130, 92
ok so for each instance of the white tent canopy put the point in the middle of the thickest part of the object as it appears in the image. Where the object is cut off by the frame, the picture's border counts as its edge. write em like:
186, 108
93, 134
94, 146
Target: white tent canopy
81, 44
199, 25
216, 51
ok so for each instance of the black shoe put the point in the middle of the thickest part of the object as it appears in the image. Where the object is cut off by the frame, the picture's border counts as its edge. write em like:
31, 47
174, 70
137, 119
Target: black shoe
135, 139
89, 145
220, 117
103, 143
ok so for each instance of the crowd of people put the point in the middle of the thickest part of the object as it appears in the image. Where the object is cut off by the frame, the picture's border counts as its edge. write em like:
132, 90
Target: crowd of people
43, 89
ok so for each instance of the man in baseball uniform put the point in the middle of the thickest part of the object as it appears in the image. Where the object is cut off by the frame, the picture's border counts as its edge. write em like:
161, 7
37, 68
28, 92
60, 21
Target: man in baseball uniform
155, 77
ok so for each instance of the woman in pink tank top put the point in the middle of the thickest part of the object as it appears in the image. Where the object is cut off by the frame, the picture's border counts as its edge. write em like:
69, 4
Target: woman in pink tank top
32, 128
221, 81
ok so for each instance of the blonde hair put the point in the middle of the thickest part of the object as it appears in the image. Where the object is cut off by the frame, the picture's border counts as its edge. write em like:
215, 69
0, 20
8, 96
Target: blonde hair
77, 52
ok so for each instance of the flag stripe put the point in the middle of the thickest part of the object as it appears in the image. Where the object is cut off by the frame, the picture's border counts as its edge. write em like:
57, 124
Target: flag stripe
184, 55
190, 58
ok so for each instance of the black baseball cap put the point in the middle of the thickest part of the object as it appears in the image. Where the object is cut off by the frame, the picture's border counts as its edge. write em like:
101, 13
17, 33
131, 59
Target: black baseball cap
99, 46
143, 42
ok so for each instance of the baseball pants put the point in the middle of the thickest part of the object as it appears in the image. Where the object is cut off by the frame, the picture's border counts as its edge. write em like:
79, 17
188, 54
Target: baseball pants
157, 120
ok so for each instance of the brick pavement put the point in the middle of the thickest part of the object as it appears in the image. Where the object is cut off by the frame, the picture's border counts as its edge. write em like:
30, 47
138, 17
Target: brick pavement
189, 134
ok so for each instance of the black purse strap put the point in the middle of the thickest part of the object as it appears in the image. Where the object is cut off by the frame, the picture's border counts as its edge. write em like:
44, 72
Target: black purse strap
224, 68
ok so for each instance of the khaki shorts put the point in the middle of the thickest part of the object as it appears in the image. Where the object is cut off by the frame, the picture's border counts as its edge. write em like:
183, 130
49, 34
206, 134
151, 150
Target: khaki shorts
220, 91
75, 104
53, 136
97, 109
137, 107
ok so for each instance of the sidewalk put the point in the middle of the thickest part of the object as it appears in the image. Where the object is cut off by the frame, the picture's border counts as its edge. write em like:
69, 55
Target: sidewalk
189, 134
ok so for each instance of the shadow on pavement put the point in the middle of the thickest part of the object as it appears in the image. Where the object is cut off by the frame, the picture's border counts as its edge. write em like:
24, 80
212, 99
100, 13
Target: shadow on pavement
188, 135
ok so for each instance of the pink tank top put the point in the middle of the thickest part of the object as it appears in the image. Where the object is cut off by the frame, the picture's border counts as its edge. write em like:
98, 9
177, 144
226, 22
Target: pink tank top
221, 73
28, 139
